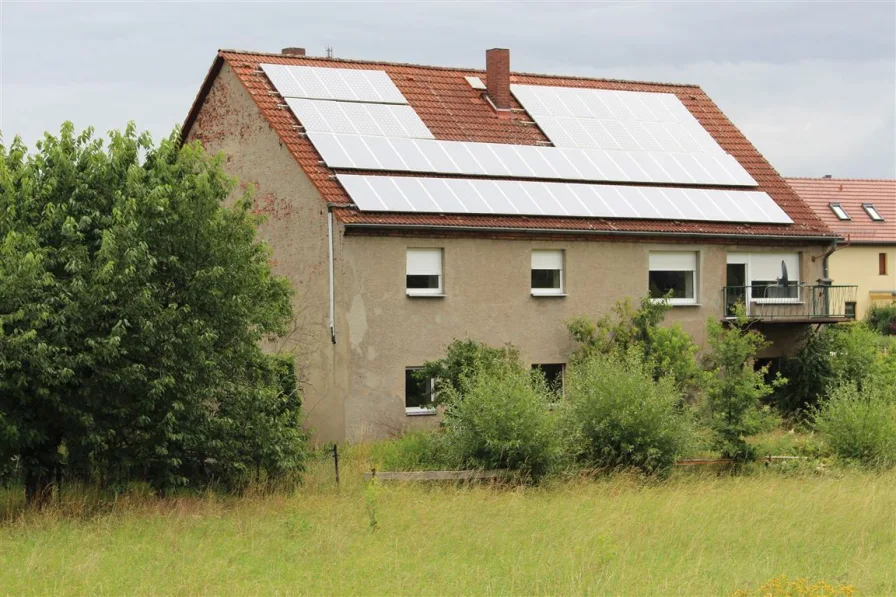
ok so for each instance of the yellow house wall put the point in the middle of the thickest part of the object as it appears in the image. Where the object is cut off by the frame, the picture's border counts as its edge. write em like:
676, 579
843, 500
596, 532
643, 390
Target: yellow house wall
858, 265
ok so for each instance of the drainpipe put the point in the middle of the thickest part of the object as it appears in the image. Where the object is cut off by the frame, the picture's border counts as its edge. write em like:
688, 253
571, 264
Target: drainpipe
332, 291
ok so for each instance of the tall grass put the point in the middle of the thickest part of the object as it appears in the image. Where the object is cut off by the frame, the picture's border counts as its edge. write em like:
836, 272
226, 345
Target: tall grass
694, 534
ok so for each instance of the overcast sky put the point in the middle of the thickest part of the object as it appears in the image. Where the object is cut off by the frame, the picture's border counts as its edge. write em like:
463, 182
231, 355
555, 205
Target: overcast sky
812, 85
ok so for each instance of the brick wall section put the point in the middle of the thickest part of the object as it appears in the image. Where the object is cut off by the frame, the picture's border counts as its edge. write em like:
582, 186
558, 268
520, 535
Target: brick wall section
497, 75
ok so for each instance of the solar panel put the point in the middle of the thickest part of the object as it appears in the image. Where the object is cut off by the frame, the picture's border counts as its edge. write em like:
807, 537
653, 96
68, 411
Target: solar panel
355, 152
513, 197
384, 120
342, 84
630, 121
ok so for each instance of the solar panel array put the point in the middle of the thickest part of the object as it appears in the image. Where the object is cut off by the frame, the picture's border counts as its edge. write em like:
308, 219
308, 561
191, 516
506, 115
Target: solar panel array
383, 120
356, 152
482, 196
341, 84
620, 120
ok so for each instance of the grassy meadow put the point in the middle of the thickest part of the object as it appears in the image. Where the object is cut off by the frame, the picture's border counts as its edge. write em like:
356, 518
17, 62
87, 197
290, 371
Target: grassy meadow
697, 533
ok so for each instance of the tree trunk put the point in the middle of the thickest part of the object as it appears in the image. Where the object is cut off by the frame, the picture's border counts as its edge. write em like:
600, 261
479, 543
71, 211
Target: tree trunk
38, 487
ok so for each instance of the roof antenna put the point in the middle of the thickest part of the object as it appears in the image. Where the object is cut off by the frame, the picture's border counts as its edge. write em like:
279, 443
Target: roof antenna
329, 51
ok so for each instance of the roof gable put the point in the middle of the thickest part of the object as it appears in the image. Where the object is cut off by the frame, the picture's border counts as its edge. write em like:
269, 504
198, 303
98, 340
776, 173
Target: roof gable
851, 194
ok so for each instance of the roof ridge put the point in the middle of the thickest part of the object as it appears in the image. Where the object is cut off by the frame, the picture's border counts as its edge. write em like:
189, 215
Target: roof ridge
822, 179
455, 68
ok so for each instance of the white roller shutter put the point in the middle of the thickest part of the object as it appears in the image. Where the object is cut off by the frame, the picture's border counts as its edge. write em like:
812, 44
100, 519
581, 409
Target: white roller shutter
545, 259
424, 262
673, 262
766, 267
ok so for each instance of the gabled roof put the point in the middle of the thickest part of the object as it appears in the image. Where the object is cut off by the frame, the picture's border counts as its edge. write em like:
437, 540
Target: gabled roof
453, 110
852, 194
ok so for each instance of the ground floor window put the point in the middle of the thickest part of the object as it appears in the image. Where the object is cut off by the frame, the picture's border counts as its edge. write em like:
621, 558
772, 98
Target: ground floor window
553, 375
418, 393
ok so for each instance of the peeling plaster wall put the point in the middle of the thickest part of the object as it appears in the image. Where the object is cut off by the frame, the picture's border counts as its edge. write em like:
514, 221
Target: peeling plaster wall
296, 230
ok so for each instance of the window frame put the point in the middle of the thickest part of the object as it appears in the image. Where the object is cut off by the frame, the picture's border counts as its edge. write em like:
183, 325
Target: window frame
849, 309
872, 212
561, 291
425, 292
695, 279
839, 211
882, 264
413, 411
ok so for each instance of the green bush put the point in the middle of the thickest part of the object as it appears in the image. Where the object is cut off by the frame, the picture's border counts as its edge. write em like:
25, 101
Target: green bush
617, 415
860, 424
463, 359
503, 420
846, 353
882, 319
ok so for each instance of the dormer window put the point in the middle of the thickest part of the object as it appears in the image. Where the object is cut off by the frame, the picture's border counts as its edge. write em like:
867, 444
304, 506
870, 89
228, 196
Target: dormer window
872, 212
839, 211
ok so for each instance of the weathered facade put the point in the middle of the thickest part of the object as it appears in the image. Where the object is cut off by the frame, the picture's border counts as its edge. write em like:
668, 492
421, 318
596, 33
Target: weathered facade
354, 373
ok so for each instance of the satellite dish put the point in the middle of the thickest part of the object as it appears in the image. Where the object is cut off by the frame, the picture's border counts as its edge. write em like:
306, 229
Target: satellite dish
783, 280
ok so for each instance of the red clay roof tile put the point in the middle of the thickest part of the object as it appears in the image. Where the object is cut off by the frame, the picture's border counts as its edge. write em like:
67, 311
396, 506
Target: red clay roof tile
850, 193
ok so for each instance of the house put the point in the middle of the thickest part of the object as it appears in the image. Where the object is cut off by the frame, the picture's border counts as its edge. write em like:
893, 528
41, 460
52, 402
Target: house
863, 214
411, 205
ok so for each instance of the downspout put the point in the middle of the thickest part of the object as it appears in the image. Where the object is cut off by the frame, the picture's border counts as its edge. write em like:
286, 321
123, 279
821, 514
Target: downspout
332, 290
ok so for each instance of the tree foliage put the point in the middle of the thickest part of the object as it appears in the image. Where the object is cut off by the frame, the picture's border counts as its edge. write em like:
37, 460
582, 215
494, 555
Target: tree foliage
462, 361
734, 388
132, 304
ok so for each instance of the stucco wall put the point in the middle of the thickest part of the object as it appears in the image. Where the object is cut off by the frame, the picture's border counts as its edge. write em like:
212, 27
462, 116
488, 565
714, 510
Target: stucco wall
488, 298
858, 264
295, 228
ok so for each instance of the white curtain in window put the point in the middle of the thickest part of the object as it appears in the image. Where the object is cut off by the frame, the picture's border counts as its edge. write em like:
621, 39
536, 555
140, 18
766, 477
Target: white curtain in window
424, 262
544, 259
766, 267
673, 261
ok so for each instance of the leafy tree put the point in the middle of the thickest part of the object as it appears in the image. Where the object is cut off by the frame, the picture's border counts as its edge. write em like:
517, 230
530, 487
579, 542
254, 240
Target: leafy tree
462, 360
132, 304
733, 388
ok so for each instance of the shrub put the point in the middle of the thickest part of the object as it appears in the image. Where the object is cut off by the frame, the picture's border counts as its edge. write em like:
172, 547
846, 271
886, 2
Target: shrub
830, 356
618, 416
670, 350
734, 389
463, 359
860, 424
882, 319
503, 420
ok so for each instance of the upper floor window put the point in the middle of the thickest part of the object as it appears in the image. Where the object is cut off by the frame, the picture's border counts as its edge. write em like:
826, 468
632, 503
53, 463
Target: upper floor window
764, 277
872, 212
424, 272
547, 272
882, 264
675, 272
839, 211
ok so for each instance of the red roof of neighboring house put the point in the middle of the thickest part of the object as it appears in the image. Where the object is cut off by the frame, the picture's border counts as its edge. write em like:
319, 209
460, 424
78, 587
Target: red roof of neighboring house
851, 194
452, 110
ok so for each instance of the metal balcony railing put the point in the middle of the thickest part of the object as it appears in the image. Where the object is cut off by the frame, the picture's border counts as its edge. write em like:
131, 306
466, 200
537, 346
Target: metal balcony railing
794, 302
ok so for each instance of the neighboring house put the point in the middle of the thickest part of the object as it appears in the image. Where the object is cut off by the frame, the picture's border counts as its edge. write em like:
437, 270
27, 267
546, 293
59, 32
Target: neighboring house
411, 205
863, 213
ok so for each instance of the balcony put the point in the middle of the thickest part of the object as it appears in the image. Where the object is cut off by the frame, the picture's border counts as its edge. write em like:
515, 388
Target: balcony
793, 303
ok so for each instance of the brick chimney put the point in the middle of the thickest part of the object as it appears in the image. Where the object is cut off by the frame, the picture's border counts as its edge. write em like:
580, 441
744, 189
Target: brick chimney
497, 77
293, 51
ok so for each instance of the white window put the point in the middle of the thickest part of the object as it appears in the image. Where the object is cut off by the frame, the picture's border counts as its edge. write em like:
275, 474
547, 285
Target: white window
675, 272
418, 393
547, 272
768, 277
839, 211
872, 212
424, 272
